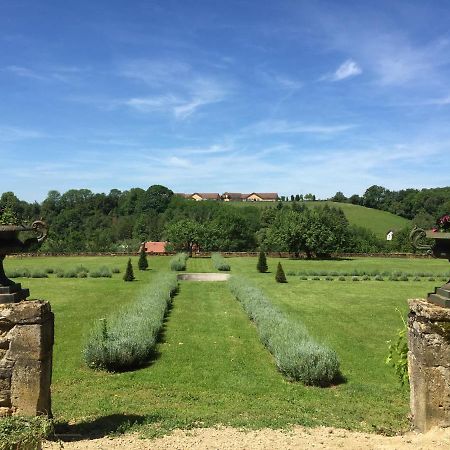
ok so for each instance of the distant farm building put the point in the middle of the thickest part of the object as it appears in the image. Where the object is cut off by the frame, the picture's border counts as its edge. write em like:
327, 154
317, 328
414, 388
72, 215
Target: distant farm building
262, 197
233, 196
205, 196
154, 247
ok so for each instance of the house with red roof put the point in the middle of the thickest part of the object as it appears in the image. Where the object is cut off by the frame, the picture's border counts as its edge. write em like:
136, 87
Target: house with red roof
154, 247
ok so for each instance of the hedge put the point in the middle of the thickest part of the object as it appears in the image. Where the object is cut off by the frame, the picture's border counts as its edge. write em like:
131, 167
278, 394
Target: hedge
127, 338
297, 355
178, 262
220, 263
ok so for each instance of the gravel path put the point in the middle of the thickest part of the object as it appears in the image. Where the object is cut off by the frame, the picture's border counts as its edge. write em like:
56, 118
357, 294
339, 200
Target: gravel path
297, 438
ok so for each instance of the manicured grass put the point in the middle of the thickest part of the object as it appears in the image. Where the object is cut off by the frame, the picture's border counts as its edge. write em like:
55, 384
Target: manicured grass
201, 265
380, 222
210, 367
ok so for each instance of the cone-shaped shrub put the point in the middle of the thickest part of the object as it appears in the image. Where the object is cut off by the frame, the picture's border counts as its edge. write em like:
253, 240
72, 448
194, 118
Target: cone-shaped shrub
262, 263
129, 275
143, 263
280, 276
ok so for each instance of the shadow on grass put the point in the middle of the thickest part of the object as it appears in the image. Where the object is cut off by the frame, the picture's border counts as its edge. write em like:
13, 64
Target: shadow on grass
338, 379
112, 425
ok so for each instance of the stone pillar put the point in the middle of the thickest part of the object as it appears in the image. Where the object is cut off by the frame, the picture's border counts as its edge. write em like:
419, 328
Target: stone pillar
26, 344
429, 364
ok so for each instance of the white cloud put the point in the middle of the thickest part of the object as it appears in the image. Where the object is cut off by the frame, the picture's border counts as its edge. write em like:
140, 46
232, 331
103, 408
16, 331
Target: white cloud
156, 73
10, 134
181, 89
438, 101
65, 74
388, 52
287, 127
23, 72
175, 161
347, 69
150, 104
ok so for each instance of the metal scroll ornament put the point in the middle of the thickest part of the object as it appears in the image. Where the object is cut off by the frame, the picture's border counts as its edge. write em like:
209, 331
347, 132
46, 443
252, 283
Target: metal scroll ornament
420, 239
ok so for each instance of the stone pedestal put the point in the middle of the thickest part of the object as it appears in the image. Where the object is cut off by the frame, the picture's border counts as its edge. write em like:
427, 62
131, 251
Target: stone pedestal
13, 293
429, 364
26, 344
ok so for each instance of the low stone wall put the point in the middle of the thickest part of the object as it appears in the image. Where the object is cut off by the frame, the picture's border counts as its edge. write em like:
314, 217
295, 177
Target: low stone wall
429, 364
228, 254
26, 342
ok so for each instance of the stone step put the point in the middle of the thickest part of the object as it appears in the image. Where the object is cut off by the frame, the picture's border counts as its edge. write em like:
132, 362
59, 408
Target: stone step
14, 297
443, 292
10, 289
439, 300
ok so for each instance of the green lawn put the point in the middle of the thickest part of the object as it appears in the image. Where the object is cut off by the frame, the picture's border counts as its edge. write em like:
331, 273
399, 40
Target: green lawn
380, 222
211, 368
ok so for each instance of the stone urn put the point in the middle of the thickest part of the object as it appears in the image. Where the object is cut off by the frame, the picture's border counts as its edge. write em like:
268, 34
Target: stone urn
10, 243
440, 248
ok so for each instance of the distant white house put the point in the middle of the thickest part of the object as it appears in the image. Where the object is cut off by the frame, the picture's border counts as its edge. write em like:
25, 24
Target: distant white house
389, 235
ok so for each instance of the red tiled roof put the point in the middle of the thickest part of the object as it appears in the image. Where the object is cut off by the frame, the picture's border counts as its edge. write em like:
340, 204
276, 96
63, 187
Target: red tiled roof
155, 247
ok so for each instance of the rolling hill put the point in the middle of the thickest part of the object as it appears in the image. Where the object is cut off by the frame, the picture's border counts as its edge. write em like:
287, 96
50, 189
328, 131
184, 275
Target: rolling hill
380, 222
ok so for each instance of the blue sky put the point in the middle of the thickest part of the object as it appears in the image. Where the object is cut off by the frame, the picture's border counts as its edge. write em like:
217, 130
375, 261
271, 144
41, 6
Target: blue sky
213, 96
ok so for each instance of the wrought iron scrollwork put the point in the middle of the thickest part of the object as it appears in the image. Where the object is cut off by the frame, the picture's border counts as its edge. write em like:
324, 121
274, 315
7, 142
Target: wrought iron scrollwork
41, 228
417, 237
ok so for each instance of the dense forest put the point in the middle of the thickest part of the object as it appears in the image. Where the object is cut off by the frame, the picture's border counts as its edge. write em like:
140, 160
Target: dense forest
83, 221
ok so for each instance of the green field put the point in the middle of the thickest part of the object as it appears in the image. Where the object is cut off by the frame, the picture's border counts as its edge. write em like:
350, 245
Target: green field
210, 366
380, 222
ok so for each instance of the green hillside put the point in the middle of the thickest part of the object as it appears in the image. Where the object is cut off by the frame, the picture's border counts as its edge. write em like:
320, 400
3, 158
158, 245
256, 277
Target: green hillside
380, 222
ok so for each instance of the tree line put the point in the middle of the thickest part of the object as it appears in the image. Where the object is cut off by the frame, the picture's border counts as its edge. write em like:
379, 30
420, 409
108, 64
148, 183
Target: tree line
422, 206
83, 221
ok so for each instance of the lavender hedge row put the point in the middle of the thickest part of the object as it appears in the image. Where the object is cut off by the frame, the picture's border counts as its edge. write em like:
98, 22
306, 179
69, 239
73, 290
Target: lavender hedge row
297, 355
127, 338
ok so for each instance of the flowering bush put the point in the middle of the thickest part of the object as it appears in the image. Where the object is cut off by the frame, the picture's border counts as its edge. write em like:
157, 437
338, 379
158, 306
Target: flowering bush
443, 224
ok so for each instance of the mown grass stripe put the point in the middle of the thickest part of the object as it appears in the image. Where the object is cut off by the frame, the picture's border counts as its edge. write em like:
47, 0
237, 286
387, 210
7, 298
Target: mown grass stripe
298, 356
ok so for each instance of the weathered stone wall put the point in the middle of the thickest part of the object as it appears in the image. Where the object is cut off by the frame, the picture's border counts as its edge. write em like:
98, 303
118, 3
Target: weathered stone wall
429, 364
26, 342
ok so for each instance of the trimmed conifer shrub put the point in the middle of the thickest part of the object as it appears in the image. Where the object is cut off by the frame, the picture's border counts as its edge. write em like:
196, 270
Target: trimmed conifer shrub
280, 276
143, 263
297, 355
127, 339
262, 263
129, 274
220, 263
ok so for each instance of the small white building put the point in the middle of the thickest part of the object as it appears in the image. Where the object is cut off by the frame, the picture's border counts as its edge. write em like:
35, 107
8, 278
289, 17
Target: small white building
390, 235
